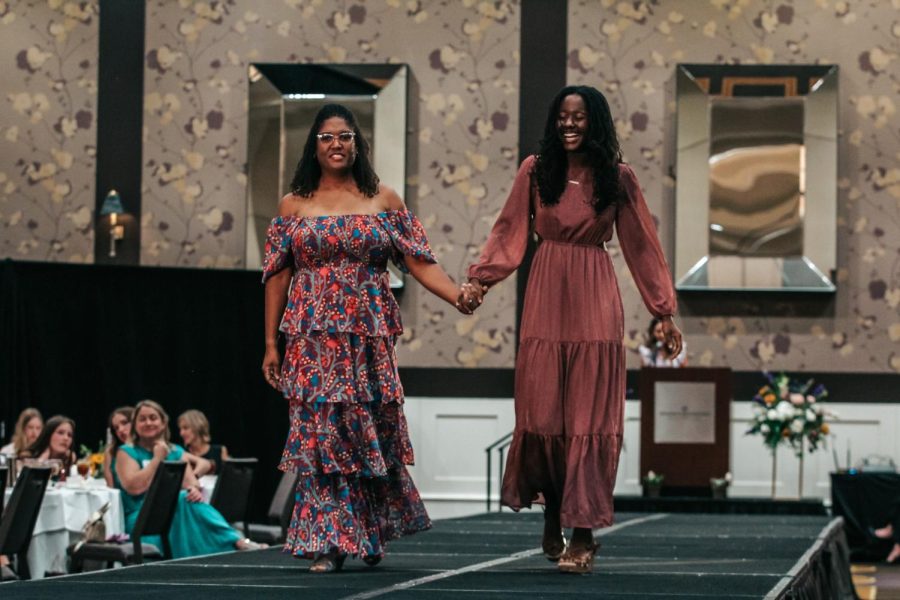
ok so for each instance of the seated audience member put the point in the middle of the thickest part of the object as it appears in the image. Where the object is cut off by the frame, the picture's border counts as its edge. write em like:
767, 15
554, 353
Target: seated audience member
654, 352
119, 432
54, 443
193, 427
197, 528
889, 533
28, 428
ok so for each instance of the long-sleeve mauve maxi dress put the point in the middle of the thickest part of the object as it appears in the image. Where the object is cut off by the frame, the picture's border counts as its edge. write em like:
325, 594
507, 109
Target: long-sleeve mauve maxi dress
348, 437
570, 366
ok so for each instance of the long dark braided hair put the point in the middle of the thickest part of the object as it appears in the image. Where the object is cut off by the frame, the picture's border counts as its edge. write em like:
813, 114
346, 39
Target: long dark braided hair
600, 144
308, 173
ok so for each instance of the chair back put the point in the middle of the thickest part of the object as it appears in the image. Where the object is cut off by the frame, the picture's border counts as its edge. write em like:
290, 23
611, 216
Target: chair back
282, 507
21, 513
231, 496
159, 505
3, 471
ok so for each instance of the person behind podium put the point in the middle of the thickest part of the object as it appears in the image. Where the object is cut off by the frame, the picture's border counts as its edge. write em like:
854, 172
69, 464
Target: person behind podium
656, 353
570, 368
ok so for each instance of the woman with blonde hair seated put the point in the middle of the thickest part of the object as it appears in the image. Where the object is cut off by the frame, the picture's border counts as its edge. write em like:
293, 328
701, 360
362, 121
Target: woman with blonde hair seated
193, 427
28, 428
197, 528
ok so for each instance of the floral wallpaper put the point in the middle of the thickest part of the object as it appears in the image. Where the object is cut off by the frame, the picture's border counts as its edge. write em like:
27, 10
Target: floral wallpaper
464, 56
629, 50
48, 129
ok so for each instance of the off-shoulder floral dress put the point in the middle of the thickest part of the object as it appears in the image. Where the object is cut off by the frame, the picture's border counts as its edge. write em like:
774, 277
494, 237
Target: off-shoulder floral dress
348, 435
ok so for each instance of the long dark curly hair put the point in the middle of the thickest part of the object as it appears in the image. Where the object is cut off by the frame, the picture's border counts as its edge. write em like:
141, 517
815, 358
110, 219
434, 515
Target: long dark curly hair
600, 144
308, 173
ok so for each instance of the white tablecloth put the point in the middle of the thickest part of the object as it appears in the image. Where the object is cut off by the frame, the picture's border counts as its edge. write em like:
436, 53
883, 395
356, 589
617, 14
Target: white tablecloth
64, 511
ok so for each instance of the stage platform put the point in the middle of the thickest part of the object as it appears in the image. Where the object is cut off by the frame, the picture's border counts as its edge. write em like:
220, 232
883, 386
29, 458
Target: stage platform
497, 555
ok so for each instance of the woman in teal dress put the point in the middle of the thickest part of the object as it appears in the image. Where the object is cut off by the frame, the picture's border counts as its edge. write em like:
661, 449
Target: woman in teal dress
197, 528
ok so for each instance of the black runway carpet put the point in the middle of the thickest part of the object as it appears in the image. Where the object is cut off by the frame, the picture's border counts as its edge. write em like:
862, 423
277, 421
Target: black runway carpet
492, 556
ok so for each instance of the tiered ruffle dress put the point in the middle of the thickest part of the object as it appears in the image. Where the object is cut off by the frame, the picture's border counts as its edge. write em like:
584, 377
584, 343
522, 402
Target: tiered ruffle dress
348, 435
570, 366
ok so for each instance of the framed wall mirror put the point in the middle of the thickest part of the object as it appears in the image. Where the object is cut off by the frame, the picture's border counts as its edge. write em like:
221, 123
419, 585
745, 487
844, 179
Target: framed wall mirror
283, 102
756, 177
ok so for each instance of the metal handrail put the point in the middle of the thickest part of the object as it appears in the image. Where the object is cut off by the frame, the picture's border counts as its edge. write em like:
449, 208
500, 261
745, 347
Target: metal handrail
500, 445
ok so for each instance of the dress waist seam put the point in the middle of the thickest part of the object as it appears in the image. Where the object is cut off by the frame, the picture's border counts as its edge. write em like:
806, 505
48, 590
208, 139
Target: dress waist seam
601, 246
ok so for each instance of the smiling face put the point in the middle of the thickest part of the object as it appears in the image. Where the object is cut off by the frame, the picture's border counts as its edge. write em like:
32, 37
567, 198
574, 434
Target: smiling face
33, 429
149, 424
572, 122
121, 426
187, 434
335, 154
658, 332
61, 440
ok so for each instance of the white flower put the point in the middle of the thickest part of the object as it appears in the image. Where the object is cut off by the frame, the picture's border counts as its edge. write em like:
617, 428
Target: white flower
772, 415
797, 426
784, 410
765, 429
810, 415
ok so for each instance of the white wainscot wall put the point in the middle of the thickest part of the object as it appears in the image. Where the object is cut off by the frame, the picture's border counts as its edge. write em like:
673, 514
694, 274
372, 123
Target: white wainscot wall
450, 434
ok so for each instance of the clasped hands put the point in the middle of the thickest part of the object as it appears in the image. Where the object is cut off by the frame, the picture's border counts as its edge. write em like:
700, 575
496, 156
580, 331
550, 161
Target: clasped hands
471, 295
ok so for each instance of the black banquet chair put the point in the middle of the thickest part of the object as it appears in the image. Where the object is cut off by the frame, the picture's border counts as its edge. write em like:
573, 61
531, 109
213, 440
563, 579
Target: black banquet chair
279, 515
231, 496
20, 515
155, 518
3, 474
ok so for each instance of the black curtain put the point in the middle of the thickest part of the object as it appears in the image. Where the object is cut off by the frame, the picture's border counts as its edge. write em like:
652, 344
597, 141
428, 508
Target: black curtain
81, 340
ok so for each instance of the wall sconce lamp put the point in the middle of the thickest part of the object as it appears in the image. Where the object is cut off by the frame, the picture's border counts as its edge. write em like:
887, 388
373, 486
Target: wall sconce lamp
112, 206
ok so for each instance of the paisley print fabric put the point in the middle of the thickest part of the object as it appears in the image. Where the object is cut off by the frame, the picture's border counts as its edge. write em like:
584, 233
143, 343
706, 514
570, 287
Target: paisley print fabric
340, 278
348, 436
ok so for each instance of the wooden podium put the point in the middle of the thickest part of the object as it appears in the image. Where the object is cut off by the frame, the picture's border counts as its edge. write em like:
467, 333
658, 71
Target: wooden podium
685, 427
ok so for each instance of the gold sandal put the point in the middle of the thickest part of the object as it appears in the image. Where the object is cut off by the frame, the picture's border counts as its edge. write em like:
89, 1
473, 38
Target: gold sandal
578, 560
328, 563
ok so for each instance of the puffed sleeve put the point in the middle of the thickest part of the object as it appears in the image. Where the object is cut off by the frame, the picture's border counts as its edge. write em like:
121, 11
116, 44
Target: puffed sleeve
505, 247
407, 237
641, 248
278, 247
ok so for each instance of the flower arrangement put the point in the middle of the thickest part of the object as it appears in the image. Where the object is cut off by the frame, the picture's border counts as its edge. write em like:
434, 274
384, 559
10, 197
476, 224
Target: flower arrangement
719, 485
653, 479
789, 411
92, 460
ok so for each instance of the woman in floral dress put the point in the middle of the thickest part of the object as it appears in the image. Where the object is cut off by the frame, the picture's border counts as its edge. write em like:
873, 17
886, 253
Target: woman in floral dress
327, 285
570, 367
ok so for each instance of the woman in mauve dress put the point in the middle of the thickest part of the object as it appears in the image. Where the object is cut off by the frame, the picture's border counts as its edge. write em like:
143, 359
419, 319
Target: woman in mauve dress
570, 366
327, 285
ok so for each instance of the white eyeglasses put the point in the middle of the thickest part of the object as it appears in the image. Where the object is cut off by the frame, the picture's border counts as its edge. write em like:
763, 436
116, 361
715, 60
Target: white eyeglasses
344, 137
